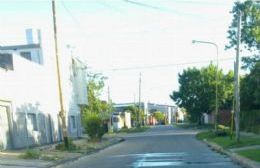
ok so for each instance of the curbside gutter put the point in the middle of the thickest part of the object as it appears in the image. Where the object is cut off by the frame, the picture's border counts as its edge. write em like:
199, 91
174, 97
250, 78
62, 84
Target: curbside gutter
64, 161
246, 163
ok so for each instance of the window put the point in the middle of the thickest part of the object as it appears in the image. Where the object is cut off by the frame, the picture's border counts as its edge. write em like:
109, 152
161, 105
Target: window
26, 55
73, 122
6, 61
31, 121
74, 68
115, 119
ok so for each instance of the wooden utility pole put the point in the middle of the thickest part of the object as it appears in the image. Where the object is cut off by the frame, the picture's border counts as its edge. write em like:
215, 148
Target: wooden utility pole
62, 113
110, 124
237, 90
139, 109
108, 94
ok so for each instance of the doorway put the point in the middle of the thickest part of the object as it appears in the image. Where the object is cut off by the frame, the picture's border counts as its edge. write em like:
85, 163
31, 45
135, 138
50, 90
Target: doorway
5, 138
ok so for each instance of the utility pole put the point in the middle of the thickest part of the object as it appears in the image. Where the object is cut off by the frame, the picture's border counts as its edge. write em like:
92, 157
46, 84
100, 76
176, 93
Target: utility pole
110, 125
62, 113
233, 105
139, 109
237, 93
108, 94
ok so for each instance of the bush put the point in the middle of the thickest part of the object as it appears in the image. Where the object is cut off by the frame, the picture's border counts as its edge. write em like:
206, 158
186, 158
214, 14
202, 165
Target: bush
94, 127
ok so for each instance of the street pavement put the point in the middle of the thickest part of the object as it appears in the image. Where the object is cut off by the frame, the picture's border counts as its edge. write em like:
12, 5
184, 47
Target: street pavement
159, 147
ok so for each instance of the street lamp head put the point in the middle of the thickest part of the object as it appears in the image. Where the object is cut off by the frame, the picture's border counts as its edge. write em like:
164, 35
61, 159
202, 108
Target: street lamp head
194, 41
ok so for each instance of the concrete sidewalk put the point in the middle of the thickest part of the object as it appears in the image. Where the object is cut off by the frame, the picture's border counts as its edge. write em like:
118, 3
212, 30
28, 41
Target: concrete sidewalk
7, 162
50, 157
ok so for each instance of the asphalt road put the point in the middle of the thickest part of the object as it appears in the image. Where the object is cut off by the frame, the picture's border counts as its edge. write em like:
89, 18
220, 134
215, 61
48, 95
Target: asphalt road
160, 147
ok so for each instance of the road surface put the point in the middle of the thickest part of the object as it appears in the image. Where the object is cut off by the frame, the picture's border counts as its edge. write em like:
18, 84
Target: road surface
159, 147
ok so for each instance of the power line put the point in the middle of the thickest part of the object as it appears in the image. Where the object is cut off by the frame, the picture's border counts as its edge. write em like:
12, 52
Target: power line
166, 9
166, 65
75, 20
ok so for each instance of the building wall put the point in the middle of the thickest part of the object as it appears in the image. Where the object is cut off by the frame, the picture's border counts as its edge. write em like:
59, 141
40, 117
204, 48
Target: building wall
31, 91
120, 120
74, 86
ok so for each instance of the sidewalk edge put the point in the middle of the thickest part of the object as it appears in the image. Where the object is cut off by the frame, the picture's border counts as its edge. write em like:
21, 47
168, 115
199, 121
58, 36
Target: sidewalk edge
247, 163
85, 154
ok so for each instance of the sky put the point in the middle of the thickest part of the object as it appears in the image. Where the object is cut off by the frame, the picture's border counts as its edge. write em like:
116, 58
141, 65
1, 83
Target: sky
123, 38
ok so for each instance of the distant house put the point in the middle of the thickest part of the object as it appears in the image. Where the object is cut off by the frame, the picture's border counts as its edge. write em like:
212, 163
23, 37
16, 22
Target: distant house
121, 120
29, 101
224, 117
149, 108
168, 110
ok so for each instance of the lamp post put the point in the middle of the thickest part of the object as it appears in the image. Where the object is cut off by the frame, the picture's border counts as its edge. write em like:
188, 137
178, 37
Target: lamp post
216, 87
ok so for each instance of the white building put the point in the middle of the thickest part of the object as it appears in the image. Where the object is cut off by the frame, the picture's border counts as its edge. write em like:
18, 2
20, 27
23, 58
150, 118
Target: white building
29, 102
121, 120
149, 108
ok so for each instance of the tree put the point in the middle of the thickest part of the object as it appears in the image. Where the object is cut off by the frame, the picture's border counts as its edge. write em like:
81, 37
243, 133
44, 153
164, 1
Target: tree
250, 30
159, 116
250, 38
97, 112
189, 93
134, 110
197, 91
250, 85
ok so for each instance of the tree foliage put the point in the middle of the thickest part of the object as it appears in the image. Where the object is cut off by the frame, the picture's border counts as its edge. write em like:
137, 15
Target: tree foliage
97, 111
250, 21
159, 116
197, 91
250, 83
95, 104
250, 86
134, 110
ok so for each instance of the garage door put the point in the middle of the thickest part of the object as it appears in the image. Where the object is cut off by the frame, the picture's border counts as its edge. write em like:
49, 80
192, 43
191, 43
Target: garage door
4, 131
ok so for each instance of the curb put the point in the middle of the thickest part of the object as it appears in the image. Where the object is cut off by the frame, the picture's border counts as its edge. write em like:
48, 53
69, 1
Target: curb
244, 162
85, 154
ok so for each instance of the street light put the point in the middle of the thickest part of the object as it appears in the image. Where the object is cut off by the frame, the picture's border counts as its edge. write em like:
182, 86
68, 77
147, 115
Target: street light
216, 46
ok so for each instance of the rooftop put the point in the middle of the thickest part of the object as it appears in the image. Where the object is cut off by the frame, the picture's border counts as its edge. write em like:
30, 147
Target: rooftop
18, 47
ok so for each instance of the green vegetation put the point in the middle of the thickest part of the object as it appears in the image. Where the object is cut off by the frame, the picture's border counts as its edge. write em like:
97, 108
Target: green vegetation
250, 121
253, 154
226, 141
31, 154
197, 91
97, 113
197, 86
250, 38
134, 130
159, 116
205, 135
62, 147
94, 126
250, 22
135, 112
193, 126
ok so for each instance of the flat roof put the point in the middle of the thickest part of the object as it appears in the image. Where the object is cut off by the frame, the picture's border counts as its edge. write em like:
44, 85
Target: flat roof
18, 47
